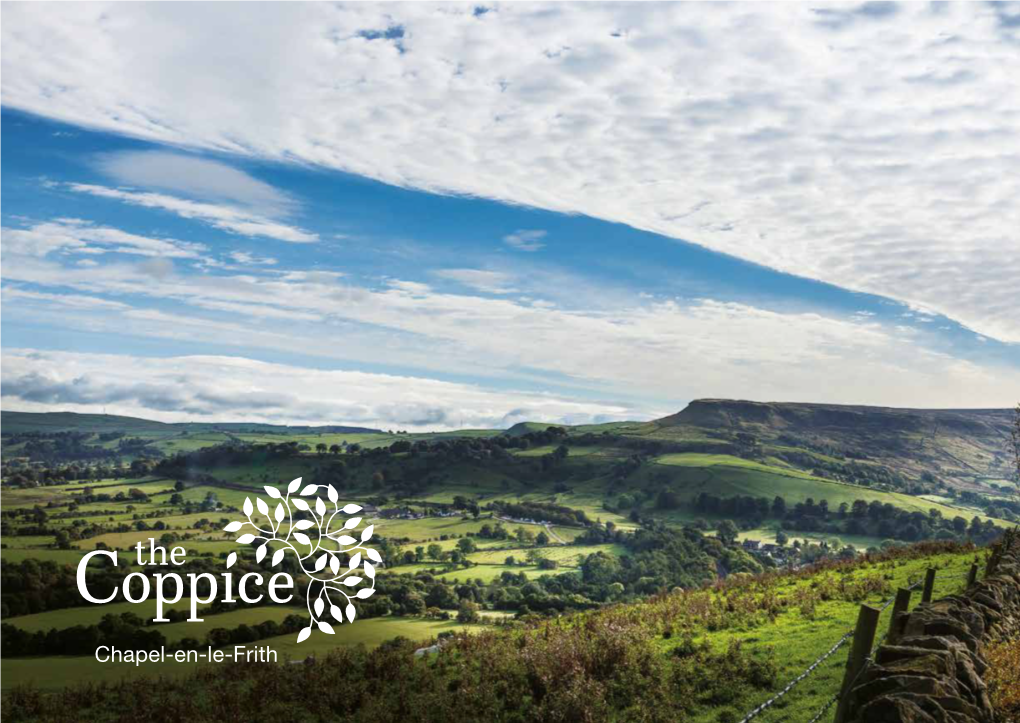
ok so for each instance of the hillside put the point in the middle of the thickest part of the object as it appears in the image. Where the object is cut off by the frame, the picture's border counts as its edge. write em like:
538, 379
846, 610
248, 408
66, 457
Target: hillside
962, 448
47, 422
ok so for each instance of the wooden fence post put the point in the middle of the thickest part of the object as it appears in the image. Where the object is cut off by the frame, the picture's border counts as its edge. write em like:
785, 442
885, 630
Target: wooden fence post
899, 607
864, 638
929, 585
972, 575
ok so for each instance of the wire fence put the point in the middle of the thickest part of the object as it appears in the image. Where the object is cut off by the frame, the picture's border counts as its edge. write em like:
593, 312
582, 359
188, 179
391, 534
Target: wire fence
912, 585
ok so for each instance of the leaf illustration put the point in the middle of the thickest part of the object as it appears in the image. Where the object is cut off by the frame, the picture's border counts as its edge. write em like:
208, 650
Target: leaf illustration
346, 540
355, 561
375, 556
370, 570
302, 538
351, 509
309, 490
273, 492
337, 613
331, 493
232, 527
294, 484
278, 556
245, 538
351, 612
231, 559
325, 627
321, 562
279, 512
365, 592
351, 581
367, 534
263, 507
260, 552
299, 504
334, 564
352, 523
247, 506
319, 604
303, 635
303, 524
320, 506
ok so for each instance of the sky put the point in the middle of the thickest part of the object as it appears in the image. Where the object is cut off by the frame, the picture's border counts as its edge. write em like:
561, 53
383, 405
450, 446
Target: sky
433, 216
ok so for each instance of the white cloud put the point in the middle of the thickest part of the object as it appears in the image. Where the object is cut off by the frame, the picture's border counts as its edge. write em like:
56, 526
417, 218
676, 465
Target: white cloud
874, 151
227, 218
196, 388
489, 282
525, 240
654, 352
75, 236
250, 259
196, 178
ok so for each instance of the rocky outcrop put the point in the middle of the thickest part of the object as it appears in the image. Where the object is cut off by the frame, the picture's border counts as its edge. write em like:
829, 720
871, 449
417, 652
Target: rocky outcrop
932, 672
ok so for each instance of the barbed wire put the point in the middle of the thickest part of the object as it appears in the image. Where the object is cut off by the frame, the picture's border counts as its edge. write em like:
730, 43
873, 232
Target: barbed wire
789, 686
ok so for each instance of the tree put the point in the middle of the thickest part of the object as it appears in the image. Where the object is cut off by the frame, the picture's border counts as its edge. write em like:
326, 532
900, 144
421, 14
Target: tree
781, 538
179, 485
541, 538
435, 552
321, 448
727, 532
467, 612
334, 449
466, 545
779, 507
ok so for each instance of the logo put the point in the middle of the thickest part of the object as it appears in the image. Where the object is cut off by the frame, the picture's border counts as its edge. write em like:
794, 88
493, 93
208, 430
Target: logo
324, 542
324, 539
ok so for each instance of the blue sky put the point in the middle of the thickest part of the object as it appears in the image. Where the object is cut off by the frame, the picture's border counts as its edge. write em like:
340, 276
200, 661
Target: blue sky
171, 258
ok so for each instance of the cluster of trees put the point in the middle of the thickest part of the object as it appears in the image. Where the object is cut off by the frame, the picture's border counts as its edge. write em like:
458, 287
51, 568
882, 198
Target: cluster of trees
541, 512
873, 518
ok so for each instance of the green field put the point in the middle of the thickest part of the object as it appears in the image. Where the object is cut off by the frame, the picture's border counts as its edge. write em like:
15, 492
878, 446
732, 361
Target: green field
55, 672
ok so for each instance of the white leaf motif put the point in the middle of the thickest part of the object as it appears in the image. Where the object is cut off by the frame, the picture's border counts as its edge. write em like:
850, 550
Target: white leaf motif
231, 559
352, 523
232, 527
309, 490
325, 627
367, 534
278, 556
247, 506
336, 613
302, 538
356, 560
303, 524
374, 555
334, 564
369, 570
346, 540
263, 507
260, 552
245, 538
292, 487
365, 592
300, 504
351, 581
273, 492
351, 612
331, 492
351, 509
319, 604
303, 635
279, 512
320, 506
321, 562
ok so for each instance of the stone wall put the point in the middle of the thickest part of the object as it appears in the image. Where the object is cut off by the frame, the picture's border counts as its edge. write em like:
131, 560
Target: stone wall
932, 671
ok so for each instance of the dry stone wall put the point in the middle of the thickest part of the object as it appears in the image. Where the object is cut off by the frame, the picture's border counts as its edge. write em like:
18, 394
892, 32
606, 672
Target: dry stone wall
932, 672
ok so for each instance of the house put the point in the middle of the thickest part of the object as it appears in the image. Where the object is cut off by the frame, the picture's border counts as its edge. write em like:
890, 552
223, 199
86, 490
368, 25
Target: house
751, 545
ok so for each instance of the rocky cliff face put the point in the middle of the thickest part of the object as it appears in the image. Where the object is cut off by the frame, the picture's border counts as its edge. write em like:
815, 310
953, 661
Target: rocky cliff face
933, 672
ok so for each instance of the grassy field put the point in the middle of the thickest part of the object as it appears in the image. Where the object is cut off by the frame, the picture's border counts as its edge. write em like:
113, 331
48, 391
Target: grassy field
54, 672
